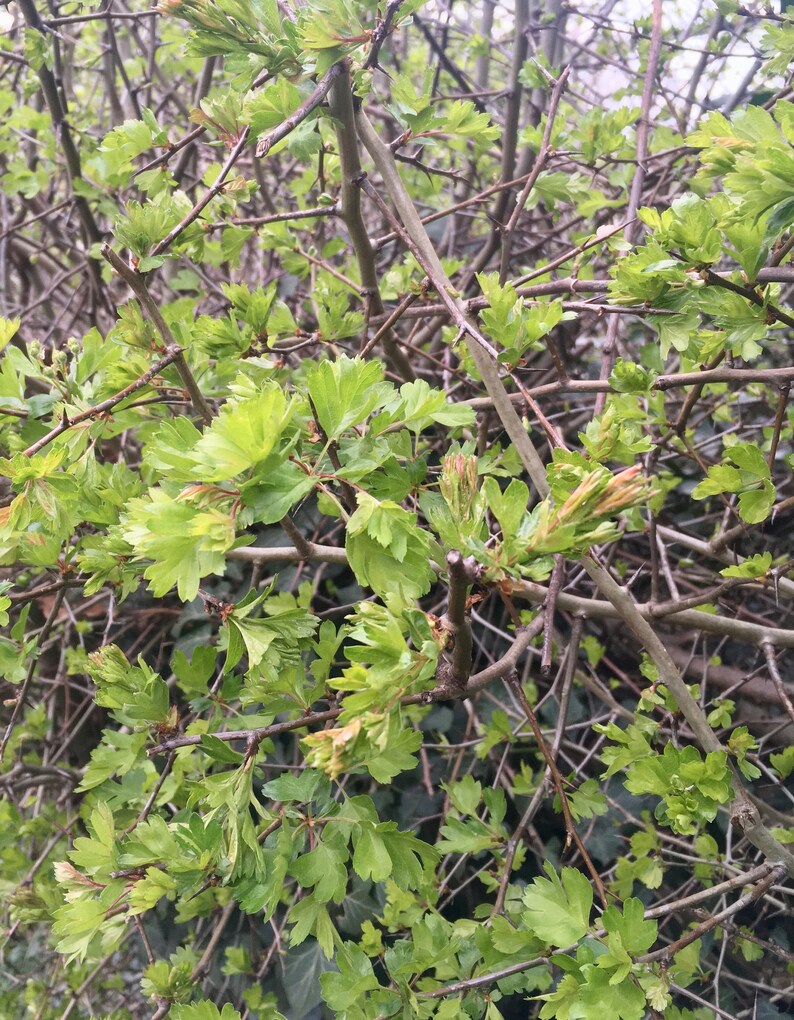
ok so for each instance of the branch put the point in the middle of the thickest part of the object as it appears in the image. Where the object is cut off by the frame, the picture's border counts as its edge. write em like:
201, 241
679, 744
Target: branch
557, 782
496, 671
311, 552
540, 162
205, 199
67, 423
462, 572
137, 285
22, 691
777, 679
350, 167
699, 930
424, 251
632, 231
286, 127
382, 29
598, 609
516, 968
744, 814
61, 127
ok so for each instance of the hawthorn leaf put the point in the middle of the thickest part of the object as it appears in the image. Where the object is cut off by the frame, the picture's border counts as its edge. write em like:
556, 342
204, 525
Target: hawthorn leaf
558, 908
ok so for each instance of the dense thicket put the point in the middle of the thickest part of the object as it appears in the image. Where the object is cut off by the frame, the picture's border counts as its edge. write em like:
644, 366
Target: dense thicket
395, 426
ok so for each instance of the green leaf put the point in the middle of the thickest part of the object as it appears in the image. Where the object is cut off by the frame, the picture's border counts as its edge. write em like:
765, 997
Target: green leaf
243, 435
355, 978
184, 542
345, 392
783, 762
465, 795
599, 997
636, 935
558, 908
203, 1010
754, 566
371, 858
386, 549
324, 868
310, 917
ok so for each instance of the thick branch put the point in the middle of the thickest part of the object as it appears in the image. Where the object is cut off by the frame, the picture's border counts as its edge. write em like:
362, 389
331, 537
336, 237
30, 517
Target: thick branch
341, 104
461, 574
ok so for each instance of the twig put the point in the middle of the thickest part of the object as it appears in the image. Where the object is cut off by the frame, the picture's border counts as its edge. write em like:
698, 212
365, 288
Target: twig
599, 609
744, 813
496, 671
287, 126
137, 285
481, 351
780, 414
341, 105
382, 29
206, 198
310, 552
668, 952
61, 127
103, 407
532, 808
302, 544
260, 221
462, 572
21, 694
147, 807
643, 131
206, 957
514, 682
777, 679
549, 609
540, 162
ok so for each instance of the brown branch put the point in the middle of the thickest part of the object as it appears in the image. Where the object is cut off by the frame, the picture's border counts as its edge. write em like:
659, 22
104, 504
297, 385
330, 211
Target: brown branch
137, 285
419, 243
310, 552
104, 406
668, 952
261, 221
216, 188
718, 280
710, 623
287, 126
462, 572
62, 129
22, 691
683, 903
550, 608
556, 778
496, 671
383, 29
540, 162
204, 963
777, 679
638, 180
341, 105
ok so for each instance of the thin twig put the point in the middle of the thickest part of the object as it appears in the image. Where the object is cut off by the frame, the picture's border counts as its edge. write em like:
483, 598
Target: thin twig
103, 407
22, 692
777, 679
137, 285
540, 161
514, 682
